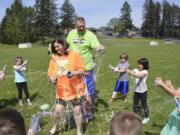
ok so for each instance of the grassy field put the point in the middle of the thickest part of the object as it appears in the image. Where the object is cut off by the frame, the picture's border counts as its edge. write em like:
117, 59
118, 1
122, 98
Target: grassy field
164, 61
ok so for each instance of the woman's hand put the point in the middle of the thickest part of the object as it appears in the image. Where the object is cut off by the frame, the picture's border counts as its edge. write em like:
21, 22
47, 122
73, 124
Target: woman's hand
52, 79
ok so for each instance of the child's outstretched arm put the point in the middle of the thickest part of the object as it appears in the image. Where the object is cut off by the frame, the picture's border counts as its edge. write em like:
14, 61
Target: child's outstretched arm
168, 88
115, 69
169, 84
22, 67
137, 75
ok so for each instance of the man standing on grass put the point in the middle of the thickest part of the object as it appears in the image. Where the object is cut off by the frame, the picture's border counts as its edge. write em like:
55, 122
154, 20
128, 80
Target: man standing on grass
84, 42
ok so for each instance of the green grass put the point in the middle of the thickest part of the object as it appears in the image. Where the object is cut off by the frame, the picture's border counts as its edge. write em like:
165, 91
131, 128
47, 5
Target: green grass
164, 61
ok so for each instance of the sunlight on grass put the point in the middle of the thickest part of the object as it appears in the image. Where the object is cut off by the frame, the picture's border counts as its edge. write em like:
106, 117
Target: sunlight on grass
164, 61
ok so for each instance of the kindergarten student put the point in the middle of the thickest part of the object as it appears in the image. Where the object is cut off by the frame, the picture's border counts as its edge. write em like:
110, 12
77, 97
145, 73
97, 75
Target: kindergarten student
122, 84
141, 75
20, 79
125, 123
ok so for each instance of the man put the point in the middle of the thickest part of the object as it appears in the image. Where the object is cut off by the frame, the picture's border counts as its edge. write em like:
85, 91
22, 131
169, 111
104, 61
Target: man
84, 42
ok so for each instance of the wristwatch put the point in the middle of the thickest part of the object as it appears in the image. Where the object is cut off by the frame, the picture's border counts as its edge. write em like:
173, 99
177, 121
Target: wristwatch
69, 74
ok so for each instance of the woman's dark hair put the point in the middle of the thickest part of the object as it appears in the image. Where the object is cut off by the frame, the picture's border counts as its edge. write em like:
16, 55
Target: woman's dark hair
144, 62
62, 41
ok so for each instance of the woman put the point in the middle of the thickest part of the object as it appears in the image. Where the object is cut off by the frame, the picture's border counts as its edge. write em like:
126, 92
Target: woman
66, 69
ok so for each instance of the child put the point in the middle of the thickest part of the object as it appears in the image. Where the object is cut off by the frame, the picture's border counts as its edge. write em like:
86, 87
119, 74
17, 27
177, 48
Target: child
20, 79
122, 84
141, 75
125, 123
11, 123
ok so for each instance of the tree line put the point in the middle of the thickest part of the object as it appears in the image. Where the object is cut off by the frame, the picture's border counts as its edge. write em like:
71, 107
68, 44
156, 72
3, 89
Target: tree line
161, 20
29, 24
158, 21
47, 19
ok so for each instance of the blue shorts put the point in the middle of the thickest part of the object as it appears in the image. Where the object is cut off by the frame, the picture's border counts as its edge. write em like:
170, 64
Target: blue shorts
122, 87
90, 83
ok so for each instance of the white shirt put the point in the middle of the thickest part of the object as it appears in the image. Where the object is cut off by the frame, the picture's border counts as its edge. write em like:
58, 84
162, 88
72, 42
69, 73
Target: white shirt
140, 83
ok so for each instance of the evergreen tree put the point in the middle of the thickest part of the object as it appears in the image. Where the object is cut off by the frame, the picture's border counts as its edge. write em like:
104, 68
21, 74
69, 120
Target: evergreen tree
54, 17
125, 17
178, 24
175, 21
67, 16
15, 27
157, 19
12, 24
166, 20
43, 18
148, 25
27, 20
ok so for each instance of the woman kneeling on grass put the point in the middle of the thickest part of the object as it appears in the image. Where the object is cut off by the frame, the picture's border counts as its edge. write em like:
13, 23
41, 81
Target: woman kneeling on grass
66, 68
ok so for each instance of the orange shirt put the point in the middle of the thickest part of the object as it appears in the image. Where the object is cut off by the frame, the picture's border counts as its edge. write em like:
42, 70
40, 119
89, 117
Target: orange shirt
67, 88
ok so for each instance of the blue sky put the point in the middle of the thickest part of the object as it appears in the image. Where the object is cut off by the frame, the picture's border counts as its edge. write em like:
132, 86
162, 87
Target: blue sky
96, 12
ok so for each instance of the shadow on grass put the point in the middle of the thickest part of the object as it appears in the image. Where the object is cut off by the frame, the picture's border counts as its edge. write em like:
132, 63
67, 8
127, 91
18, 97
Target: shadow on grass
34, 96
4, 103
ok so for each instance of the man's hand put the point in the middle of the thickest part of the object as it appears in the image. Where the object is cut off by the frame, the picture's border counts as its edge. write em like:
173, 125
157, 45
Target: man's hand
52, 79
100, 49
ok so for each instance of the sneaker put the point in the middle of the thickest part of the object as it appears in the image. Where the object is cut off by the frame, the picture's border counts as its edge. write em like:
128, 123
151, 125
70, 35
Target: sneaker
111, 100
145, 120
30, 132
29, 103
125, 99
21, 103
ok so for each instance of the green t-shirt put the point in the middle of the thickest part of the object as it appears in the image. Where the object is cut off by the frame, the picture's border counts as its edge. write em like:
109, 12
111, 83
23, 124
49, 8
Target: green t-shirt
84, 45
